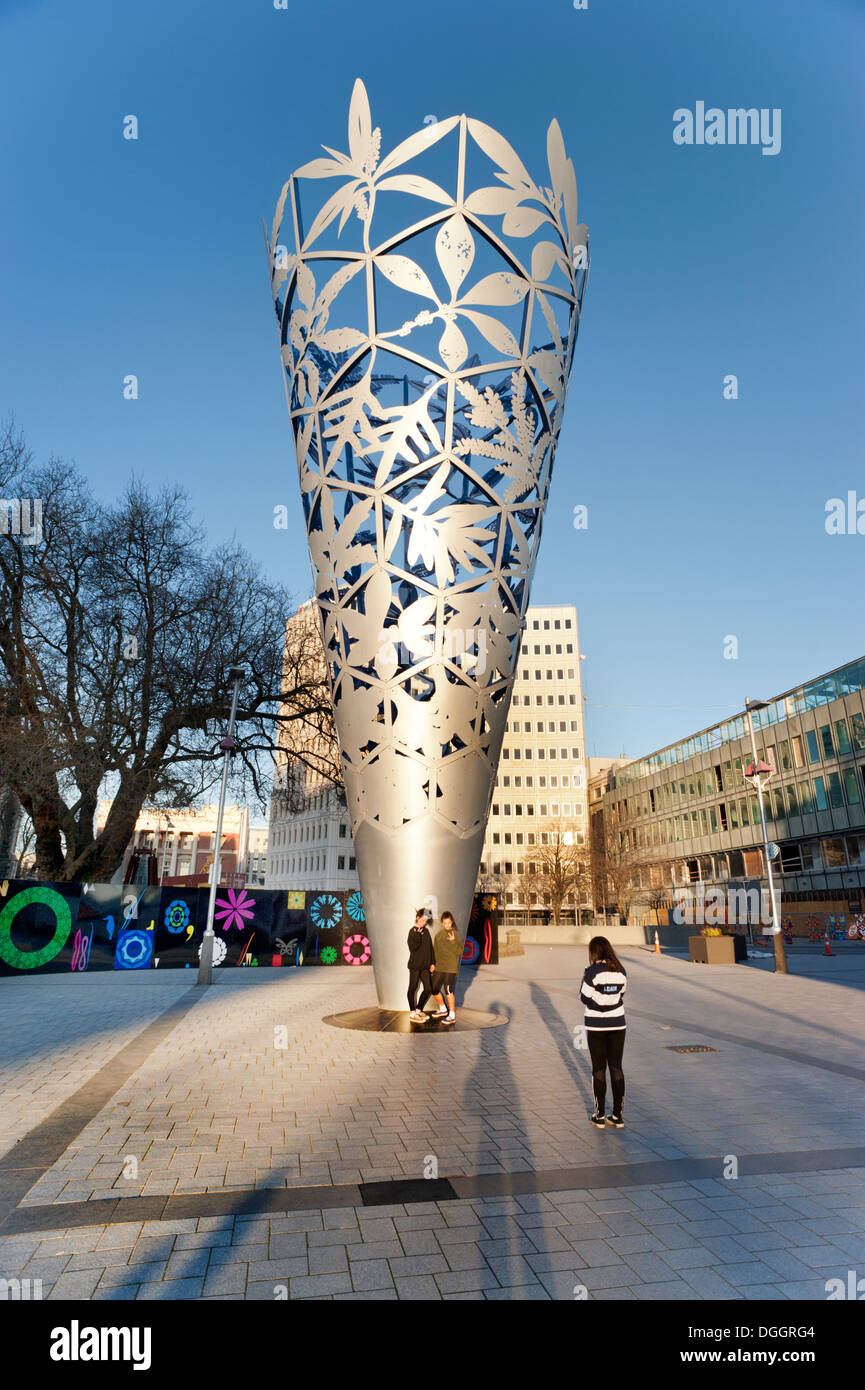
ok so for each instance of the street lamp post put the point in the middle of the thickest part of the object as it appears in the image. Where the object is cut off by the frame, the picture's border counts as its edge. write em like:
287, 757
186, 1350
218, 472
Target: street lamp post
756, 778
228, 745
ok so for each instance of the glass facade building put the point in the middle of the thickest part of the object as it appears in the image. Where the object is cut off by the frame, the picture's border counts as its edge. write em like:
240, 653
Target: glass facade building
685, 814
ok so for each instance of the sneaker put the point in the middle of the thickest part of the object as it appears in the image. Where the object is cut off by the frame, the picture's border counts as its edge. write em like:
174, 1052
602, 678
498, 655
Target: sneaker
451, 1017
616, 1121
597, 1120
441, 1013
417, 1016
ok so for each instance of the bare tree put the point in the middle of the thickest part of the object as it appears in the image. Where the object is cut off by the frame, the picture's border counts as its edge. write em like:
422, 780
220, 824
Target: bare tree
559, 866
616, 869
116, 630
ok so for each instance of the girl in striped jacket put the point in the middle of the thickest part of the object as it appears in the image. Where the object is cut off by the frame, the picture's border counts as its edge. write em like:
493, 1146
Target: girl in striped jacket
604, 984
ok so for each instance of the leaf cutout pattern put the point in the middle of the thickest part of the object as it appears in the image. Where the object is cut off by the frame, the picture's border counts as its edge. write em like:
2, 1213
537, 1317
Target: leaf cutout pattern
424, 457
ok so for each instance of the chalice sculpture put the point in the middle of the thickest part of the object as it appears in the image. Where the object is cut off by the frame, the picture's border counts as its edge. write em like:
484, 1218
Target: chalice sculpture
428, 304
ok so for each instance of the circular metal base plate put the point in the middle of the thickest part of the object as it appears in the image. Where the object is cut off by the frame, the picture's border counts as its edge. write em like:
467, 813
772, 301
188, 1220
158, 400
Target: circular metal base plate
377, 1020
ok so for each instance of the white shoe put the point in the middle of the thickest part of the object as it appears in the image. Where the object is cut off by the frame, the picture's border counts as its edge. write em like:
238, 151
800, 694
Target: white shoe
441, 1013
417, 1016
452, 1017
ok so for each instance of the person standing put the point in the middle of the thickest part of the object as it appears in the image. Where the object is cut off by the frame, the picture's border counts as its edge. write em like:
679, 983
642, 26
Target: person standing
602, 989
421, 964
448, 952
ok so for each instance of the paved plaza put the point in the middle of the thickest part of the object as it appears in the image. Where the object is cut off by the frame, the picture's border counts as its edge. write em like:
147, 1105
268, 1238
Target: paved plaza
161, 1141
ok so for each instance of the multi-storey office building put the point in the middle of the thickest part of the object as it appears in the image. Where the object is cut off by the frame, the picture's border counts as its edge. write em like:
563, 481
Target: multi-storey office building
541, 785
309, 838
686, 814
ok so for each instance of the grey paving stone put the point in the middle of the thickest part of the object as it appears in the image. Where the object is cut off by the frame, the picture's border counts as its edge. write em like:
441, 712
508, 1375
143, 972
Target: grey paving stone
648, 1267
187, 1264
107, 1293
560, 1284
117, 1275
417, 1265
328, 1259
467, 1281
693, 1257
375, 1250
708, 1283
417, 1287
527, 1292
171, 1289
76, 1286
225, 1279
276, 1270
802, 1290
312, 1285
290, 1246
371, 1275
663, 1292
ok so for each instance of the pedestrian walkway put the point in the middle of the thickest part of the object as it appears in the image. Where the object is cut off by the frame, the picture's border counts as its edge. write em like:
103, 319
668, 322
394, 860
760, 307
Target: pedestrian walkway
229, 1143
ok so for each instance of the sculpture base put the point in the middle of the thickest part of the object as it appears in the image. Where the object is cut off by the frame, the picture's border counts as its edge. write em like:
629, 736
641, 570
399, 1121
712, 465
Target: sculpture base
375, 1020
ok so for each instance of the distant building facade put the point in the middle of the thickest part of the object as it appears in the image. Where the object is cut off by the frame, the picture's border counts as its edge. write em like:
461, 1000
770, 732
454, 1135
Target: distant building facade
541, 788
256, 856
309, 835
685, 815
183, 840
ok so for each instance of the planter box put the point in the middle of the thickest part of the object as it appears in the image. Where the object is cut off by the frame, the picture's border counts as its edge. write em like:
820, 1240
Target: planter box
713, 950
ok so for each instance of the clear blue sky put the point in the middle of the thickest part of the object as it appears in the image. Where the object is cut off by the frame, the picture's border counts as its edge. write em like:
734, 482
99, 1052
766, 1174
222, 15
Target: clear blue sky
706, 516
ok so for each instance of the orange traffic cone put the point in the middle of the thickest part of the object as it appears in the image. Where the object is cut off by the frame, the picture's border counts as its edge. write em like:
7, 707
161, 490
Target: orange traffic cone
828, 951
657, 943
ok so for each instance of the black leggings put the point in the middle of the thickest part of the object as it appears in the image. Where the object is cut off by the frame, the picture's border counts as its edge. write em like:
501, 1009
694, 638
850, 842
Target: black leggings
606, 1051
415, 978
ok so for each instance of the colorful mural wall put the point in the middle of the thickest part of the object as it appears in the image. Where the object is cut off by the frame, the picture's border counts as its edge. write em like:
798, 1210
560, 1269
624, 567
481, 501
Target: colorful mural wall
58, 927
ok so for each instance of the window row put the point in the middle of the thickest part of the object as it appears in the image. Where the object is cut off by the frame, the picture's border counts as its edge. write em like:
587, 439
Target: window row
541, 726
554, 809
539, 699
547, 675
508, 837
307, 863
540, 753
538, 623
555, 780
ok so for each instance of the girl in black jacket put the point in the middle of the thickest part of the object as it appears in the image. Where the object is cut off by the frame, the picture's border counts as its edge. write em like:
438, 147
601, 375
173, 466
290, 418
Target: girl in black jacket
421, 963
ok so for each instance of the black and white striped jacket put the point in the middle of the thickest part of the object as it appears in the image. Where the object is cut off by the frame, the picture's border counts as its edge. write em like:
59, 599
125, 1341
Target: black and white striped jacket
601, 992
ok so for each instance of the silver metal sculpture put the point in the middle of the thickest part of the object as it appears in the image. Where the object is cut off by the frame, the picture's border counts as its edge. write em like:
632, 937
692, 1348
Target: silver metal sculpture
427, 341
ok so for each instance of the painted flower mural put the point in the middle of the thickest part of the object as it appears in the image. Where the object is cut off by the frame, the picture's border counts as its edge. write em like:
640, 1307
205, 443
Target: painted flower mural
239, 910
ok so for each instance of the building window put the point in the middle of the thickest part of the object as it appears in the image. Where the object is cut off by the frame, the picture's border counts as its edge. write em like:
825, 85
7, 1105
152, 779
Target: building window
340, 863
836, 796
813, 750
351, 862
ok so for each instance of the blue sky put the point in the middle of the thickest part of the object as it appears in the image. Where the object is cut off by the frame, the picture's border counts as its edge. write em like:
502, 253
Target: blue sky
706, 516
